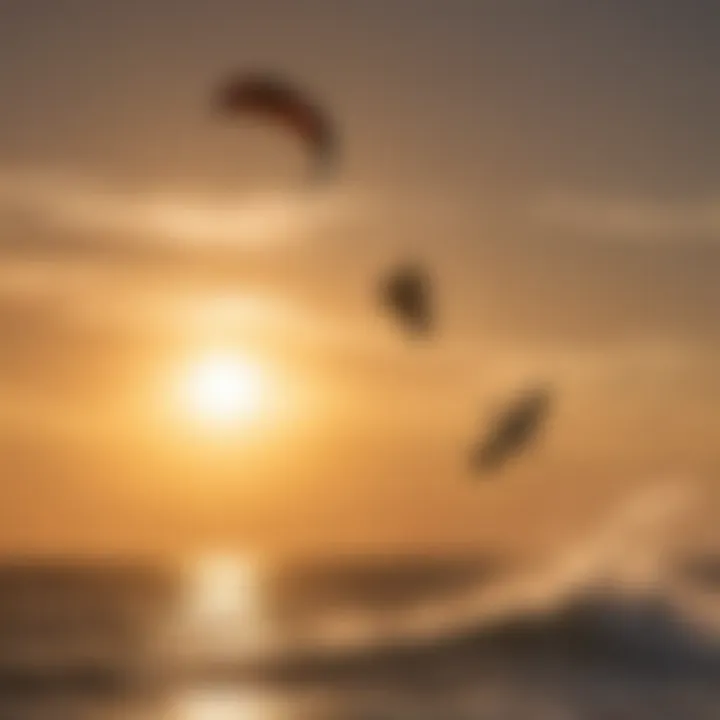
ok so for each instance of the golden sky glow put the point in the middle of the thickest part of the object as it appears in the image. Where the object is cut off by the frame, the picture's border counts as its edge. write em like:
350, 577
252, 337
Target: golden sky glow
190, 350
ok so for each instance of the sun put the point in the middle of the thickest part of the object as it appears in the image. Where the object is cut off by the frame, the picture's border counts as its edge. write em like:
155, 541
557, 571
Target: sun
224, 388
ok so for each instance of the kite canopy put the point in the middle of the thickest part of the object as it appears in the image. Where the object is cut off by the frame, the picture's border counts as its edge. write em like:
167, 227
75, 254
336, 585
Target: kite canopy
407, 293
513, 430
267, 96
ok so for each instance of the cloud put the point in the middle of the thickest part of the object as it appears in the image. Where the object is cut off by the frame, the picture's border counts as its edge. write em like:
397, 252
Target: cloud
627, 218
68, 203
79, 249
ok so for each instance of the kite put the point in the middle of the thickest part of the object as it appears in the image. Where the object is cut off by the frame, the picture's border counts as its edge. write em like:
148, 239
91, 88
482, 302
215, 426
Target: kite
513, 430
269, 97
407, 293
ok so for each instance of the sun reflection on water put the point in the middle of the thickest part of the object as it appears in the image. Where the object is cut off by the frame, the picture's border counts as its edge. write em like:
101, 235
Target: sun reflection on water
224, 587
223, 612
225, 704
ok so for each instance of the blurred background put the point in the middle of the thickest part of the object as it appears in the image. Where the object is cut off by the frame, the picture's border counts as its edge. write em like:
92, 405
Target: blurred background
210, 426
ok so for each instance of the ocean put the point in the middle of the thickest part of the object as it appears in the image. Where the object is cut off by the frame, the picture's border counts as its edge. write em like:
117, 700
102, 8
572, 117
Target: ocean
232, 637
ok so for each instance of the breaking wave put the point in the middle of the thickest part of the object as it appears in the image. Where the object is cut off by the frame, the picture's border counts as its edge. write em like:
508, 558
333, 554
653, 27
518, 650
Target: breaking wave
612, 595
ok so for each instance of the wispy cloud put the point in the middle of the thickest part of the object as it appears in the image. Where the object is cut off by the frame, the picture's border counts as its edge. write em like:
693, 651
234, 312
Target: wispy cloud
82, 250
628, 218
65, 202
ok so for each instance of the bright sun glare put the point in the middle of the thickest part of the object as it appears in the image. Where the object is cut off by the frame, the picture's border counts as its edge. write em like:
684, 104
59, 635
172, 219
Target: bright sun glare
225, 388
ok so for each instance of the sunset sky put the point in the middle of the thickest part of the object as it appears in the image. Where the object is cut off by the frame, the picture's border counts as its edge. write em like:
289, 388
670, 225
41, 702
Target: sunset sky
557, 166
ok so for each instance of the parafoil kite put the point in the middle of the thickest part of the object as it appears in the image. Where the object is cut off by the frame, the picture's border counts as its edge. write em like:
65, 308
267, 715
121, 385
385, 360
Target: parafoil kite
267, 96
513, 430
407, 293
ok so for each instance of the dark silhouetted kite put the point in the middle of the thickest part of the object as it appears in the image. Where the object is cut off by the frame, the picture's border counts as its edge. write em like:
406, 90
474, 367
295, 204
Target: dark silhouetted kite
407, 293
267, 96
512, 431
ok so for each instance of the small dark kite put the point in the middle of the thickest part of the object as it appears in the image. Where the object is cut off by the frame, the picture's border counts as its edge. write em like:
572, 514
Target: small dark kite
512, 431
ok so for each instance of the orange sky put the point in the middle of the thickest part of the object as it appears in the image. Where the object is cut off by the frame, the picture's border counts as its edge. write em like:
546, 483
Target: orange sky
563, 192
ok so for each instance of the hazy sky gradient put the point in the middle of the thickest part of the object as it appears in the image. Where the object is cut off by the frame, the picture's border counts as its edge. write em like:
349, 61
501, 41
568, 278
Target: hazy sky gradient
557, 163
